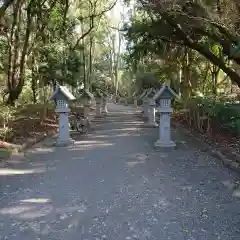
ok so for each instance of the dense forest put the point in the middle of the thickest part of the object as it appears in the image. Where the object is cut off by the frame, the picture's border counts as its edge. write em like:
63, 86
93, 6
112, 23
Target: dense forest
48, 42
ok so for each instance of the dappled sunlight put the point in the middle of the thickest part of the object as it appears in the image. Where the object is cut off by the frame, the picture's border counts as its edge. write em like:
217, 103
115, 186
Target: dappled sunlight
9, 171
14, 160
86, 145
162, 155
137, 159
127, 134
162, 203
33, 208
119, 129
15, 210
26, 211
41, 150
81, 208
131, 123
123, 123
36, 200
135, 163
77, 158
139, 156
90, 142
101, 136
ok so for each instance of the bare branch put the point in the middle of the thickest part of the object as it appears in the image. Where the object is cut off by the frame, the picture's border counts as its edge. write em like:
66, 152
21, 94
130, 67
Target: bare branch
6, 4
92, 22
99, 14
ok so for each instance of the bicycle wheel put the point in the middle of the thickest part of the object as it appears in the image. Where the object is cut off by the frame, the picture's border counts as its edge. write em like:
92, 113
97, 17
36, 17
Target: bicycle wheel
84, 129
72, 122
78, 126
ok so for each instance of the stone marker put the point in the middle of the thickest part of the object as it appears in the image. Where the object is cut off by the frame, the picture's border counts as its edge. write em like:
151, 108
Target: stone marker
62, 96
87, 97
104, 105
164, 97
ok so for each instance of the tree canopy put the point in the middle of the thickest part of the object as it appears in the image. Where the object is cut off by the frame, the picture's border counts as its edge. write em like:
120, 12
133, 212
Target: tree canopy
210, 28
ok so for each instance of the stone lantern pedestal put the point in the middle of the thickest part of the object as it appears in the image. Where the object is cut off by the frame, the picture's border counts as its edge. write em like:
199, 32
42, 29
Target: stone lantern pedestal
64, 138
164, 140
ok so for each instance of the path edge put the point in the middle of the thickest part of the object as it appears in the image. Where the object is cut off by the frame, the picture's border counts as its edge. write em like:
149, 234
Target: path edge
226, 161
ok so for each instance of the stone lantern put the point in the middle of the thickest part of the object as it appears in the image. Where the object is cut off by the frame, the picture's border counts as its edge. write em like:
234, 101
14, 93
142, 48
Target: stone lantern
104, 104
62, 96
126, 100
135, 101
148, 100
87, 97
164, 97
152, 111
144, 104
98, 103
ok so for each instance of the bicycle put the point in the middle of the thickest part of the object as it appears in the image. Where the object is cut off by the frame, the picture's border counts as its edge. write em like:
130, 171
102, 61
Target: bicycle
78, 122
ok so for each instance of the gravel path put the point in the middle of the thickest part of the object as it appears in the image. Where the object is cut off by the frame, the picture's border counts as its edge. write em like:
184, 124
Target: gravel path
113, 185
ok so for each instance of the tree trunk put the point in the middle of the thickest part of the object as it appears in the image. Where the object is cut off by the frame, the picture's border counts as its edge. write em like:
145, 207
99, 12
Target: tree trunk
33, 82
186, 84
17, 86
90, 61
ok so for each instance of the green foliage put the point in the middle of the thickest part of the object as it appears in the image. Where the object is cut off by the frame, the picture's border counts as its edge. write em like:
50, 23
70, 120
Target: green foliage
224, 114
7, 114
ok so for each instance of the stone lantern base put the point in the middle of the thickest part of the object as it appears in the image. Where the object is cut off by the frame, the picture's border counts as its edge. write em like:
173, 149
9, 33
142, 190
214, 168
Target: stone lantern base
67, 143
164, 144
135, 103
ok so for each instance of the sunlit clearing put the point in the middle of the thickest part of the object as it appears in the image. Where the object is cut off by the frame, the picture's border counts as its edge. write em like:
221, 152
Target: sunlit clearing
7, 171
36, 200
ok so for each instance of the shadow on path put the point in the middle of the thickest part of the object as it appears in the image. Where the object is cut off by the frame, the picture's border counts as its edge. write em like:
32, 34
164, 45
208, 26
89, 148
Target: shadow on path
113, 185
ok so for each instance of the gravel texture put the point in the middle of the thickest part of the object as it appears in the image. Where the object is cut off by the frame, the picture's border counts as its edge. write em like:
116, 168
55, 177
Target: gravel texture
113, 185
